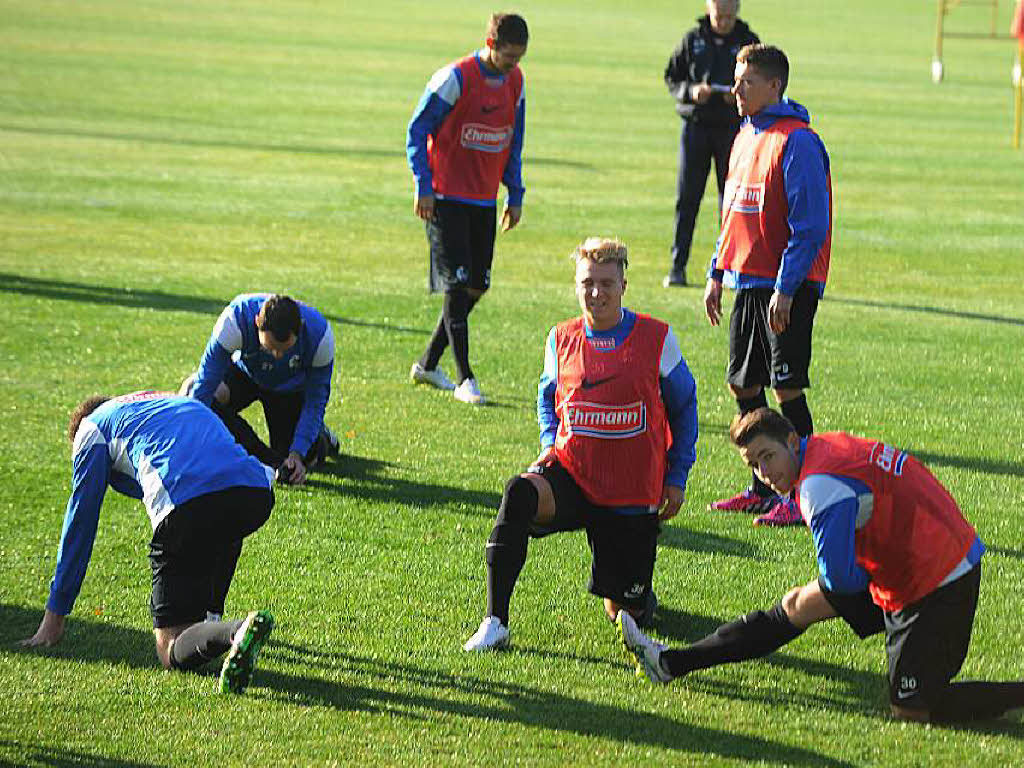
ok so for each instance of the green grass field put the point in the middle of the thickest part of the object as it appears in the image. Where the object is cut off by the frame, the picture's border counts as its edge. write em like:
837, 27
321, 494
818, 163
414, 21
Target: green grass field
157, 158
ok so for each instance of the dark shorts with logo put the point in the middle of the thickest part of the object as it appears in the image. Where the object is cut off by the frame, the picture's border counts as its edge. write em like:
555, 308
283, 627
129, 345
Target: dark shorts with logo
759, 357
926, 642
191, 547
461, 238
623, 546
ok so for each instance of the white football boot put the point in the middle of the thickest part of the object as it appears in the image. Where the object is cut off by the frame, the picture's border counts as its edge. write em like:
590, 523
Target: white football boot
435, 378
641, 650
491, 636
469, 392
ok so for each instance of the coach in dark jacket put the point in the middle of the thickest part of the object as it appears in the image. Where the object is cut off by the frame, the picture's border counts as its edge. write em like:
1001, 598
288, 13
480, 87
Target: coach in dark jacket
699, 76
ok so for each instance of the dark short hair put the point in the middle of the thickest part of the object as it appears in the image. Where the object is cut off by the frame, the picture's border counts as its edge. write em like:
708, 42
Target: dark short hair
281, 317
82, 410
770, 61
508, 29
762, 421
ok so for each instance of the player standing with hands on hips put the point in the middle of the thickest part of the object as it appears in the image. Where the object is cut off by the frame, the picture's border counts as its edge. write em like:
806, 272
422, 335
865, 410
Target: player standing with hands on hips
699, 76
774, 251
617, 409
466, 136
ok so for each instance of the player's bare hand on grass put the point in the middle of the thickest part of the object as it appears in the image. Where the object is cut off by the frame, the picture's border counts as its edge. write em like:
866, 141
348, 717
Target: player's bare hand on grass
297, 475
778, 312
713, 301
510, 217
51, 630
672, 500
423, 206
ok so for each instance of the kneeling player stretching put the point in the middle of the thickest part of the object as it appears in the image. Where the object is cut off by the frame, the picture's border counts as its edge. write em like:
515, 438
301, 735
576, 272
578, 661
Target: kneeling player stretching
618, 418
203, 493
895, 554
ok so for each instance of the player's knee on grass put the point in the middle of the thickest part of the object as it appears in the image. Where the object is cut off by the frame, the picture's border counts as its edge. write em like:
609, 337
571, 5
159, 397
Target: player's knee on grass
164, 638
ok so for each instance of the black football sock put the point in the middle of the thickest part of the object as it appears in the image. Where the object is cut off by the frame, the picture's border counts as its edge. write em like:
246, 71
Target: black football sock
799, 414
437, 345
752, 636
439, 340
506, 547
202, 643
745, 406
223, 572
977, 701
456, 313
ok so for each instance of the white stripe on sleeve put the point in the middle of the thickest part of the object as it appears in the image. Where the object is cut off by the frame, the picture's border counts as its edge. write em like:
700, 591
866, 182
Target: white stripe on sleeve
325, 350
446, 85
226, 331
671, 355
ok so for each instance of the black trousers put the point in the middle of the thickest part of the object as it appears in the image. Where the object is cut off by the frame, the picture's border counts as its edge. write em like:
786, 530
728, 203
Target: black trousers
699, 144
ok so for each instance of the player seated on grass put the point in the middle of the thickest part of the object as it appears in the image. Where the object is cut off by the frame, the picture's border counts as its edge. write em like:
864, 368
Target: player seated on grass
203, 494
895, 554
281, 352
618, 422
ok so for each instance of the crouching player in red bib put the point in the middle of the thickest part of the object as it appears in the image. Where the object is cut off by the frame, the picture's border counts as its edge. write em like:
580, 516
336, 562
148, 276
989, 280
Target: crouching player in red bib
894, 553
618, 418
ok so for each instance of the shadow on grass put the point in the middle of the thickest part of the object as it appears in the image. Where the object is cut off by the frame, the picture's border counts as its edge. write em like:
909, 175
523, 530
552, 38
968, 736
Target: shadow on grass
927, 310
1017, 554
366, 478
985, 466
677, 536
166, 302
502, 702
303, 149
84, 640
59, 757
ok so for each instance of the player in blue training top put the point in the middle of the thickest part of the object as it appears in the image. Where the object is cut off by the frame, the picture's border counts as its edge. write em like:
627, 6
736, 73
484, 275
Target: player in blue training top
203, 494
279, 351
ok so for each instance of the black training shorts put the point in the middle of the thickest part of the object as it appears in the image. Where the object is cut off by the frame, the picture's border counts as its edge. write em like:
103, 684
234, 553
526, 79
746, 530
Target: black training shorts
623, 546
758, 357
926, 642
186, 549
461, 238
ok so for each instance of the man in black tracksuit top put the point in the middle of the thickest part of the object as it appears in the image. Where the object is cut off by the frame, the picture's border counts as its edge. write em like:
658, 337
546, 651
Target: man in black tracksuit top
699, 75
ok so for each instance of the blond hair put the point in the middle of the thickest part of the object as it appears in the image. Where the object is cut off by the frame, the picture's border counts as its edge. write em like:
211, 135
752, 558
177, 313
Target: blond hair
602, 250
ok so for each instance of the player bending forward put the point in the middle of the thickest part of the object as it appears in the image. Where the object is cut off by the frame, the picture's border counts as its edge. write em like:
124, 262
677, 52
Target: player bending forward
618, 419
895, 554
203, 494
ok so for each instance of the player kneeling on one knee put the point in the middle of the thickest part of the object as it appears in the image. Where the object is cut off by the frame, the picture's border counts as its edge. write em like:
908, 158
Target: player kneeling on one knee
920, 587
618, 421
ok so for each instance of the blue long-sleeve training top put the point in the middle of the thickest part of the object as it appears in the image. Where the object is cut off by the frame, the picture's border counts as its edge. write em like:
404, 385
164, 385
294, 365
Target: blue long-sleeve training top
160, 448
306, 367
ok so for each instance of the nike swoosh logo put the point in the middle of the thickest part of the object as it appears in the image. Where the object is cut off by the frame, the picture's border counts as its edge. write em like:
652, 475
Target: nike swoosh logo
905, 694
585, 384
